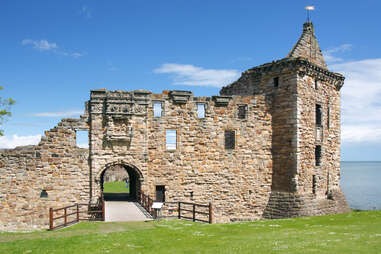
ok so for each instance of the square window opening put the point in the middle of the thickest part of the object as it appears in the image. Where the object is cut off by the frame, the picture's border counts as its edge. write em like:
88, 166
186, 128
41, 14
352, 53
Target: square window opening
82, 139
318, 115
160, 193
229, 139
201, 110
317, 155
276, 82
157, 109
328, 117
171, 139
242, 112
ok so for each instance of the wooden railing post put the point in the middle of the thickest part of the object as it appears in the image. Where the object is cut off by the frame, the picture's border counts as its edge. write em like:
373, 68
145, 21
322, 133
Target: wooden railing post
179, 210
51, 218
77, 212
194, 212
65, 216
210, 213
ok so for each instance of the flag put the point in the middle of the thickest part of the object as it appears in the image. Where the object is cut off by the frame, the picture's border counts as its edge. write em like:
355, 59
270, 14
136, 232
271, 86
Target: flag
310, 8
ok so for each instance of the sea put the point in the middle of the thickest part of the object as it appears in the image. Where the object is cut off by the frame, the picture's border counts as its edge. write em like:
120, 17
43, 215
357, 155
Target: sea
361, 184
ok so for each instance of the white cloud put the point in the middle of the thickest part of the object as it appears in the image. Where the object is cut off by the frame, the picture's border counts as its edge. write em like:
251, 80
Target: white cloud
186, 74
330, 54
83, 146
361, 100
361, 133
59, 114
44, 45
15, 140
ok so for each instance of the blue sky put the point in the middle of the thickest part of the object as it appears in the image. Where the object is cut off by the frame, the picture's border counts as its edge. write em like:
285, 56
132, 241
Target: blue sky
54, 52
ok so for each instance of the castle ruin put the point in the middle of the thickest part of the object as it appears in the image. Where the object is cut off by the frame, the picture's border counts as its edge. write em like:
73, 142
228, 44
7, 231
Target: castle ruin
267, 147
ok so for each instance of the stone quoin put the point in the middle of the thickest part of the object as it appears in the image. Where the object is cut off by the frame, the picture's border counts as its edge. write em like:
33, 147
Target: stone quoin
267, 147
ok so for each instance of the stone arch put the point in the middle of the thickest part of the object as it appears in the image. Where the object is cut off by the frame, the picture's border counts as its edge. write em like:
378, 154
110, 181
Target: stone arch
135, 177
121, 163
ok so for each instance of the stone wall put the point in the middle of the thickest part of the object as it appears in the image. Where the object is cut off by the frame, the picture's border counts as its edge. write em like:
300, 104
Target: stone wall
261, 80
298, 182
200, 169
56, 165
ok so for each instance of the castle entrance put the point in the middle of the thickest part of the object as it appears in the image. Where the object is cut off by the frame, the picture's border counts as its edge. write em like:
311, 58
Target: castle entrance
120, 183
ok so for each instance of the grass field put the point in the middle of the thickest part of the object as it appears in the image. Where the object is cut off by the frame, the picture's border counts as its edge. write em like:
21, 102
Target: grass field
115, 187
356, 232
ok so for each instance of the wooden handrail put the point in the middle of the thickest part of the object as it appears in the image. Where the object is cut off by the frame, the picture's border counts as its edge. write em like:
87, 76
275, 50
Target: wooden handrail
193, 211
77, 213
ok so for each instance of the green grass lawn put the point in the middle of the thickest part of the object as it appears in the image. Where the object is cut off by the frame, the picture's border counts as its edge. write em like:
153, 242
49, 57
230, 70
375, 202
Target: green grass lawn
115, 187
356, 232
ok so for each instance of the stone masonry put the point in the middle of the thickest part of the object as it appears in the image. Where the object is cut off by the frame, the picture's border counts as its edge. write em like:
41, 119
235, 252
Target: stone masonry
267, 147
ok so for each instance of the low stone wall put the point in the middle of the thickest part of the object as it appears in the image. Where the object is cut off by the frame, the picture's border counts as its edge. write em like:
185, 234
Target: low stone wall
55, 166
287, 205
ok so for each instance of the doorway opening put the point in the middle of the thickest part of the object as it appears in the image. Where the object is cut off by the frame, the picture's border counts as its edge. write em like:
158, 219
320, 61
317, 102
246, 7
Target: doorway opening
120, 183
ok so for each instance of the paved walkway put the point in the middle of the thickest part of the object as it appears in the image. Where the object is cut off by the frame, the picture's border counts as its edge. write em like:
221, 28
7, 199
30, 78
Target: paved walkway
123, 211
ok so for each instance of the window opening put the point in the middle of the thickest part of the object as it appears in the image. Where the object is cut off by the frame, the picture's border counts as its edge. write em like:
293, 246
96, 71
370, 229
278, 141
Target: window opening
43, 194
201, 110
170, 139
318, 155
276, 82
157, 109
242, 111
328, 117
316, 84
160, 193
82, 139
318, 115
314, 184
229, 139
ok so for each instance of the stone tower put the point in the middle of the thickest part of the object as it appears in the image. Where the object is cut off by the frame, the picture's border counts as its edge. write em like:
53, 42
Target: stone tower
305, 112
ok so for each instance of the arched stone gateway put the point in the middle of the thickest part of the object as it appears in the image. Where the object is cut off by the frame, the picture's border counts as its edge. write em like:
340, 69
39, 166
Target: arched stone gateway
135, 178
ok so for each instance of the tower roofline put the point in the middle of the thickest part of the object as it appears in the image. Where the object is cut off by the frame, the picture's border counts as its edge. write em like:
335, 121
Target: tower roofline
308, 47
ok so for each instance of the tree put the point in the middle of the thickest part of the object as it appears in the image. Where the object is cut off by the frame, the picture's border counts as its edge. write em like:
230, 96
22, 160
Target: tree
5, 105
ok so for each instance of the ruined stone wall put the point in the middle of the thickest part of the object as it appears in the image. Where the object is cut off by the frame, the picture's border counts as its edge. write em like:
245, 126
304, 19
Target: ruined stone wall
200, 169
261, 80
118, 133
55, 165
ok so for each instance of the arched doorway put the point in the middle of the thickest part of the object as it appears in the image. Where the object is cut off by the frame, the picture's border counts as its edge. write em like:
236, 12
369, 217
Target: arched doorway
127, 182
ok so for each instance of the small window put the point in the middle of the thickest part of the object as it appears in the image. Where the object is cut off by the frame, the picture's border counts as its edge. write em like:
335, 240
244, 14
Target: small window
316, 84
82, 139
229, 139
318, 155
328, 116
242, 111
171, 139
160, 193
276, 82
157, 109
314, 184
318, 115
43, 194
201, 110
